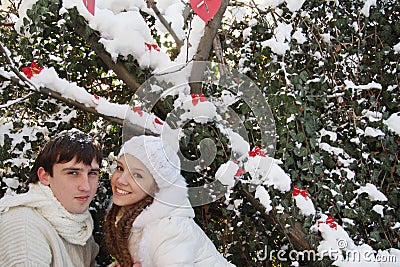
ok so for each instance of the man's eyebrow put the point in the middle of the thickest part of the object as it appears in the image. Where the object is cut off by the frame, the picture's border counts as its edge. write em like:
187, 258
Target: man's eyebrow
80, 169
72, 169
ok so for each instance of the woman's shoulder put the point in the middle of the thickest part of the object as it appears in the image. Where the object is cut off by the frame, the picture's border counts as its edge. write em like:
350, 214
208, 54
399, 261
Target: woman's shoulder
170, 226
171, 221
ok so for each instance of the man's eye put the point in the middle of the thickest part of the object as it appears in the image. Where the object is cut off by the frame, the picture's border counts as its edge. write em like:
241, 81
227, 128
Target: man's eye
72, 173
94, 173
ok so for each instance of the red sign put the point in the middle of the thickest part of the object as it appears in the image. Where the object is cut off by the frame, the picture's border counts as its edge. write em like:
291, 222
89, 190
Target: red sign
206, 9
89, 4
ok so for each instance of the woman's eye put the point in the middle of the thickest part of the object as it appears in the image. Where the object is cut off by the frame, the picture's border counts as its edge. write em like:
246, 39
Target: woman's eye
119, 168
137, 175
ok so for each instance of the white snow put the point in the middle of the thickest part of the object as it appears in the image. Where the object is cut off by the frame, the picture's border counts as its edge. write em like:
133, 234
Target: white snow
372, 115
299, 36
393, 122
226, 172
378, 209
369, 86
373, 193
332, 135
11, 182
294, 5
369, 131
124, 32
367, 5
264, 170
277, 47
305, 205
396, 48
264, 197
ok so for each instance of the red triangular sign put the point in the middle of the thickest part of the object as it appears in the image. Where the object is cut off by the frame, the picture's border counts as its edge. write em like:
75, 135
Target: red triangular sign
89, 4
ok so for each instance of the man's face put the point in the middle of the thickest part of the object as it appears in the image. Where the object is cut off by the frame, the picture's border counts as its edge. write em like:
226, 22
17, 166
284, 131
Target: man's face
74, 184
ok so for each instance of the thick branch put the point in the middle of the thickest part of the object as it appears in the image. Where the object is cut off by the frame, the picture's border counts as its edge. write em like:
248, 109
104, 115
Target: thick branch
294, 234
120, 70
205, 45
219, 53
26, 84
56, 95
7, 24
136, 129
93, 40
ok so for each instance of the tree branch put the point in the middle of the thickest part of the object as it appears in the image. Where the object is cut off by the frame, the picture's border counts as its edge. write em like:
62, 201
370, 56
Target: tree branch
93, 40
120, 70
204, 48
218, 51
179, 42
7, 24
24, 83
294, 234
133, 129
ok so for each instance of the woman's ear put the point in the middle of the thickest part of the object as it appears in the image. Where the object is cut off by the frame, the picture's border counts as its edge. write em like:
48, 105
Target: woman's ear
43, 176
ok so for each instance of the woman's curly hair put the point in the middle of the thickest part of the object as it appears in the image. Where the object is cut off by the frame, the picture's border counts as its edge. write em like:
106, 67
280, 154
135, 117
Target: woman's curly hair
117, 235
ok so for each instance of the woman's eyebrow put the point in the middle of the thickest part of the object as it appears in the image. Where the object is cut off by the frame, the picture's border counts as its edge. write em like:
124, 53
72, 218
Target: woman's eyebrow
137, 169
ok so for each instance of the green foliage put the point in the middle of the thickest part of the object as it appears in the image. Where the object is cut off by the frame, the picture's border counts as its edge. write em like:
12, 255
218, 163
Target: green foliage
306, 94
309, 94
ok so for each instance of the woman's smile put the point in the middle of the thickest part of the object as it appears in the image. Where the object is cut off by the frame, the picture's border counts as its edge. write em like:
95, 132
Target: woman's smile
121, 192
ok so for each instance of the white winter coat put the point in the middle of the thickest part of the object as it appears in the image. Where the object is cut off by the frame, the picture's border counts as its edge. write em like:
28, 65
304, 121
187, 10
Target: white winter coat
165, 234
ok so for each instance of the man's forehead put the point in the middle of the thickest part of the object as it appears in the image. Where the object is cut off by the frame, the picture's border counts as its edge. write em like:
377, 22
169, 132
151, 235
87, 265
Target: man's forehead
79, 164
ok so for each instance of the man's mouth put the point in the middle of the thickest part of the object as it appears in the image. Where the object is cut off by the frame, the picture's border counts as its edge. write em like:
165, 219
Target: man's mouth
82, 198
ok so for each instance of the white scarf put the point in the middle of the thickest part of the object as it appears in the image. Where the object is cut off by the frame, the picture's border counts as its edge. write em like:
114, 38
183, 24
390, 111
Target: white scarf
75, 228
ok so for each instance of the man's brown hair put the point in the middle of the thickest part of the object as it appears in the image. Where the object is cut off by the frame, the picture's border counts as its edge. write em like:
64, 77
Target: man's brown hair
63, 148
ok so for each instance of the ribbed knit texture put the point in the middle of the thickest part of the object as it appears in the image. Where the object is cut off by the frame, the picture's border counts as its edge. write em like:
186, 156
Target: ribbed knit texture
75, 228
36, 230
27, 239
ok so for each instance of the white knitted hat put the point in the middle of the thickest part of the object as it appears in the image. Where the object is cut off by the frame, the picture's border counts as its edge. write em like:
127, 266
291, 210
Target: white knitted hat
159, 157
164, 164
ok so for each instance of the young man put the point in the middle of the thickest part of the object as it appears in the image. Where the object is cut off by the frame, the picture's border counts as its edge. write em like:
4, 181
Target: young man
50, 225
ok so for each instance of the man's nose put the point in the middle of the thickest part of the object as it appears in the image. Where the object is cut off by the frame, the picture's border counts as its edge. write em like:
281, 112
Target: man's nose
84, 183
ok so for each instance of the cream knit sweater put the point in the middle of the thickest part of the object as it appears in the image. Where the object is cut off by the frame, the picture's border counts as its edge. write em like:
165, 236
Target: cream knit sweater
27, 238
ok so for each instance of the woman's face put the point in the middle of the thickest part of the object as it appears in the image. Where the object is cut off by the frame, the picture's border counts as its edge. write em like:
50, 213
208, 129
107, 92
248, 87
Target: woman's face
131, 181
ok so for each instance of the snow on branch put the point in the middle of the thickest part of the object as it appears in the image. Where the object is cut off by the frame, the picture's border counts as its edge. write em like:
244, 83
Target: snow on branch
166, 24
48, 83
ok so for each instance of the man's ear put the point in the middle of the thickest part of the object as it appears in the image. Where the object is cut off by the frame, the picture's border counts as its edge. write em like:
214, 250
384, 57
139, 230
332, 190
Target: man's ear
43, 176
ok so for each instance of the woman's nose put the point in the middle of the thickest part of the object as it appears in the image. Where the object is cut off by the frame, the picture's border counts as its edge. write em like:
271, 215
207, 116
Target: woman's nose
122, 178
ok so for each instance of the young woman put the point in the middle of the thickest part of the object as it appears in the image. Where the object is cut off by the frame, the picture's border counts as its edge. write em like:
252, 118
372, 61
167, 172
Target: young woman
151, 219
